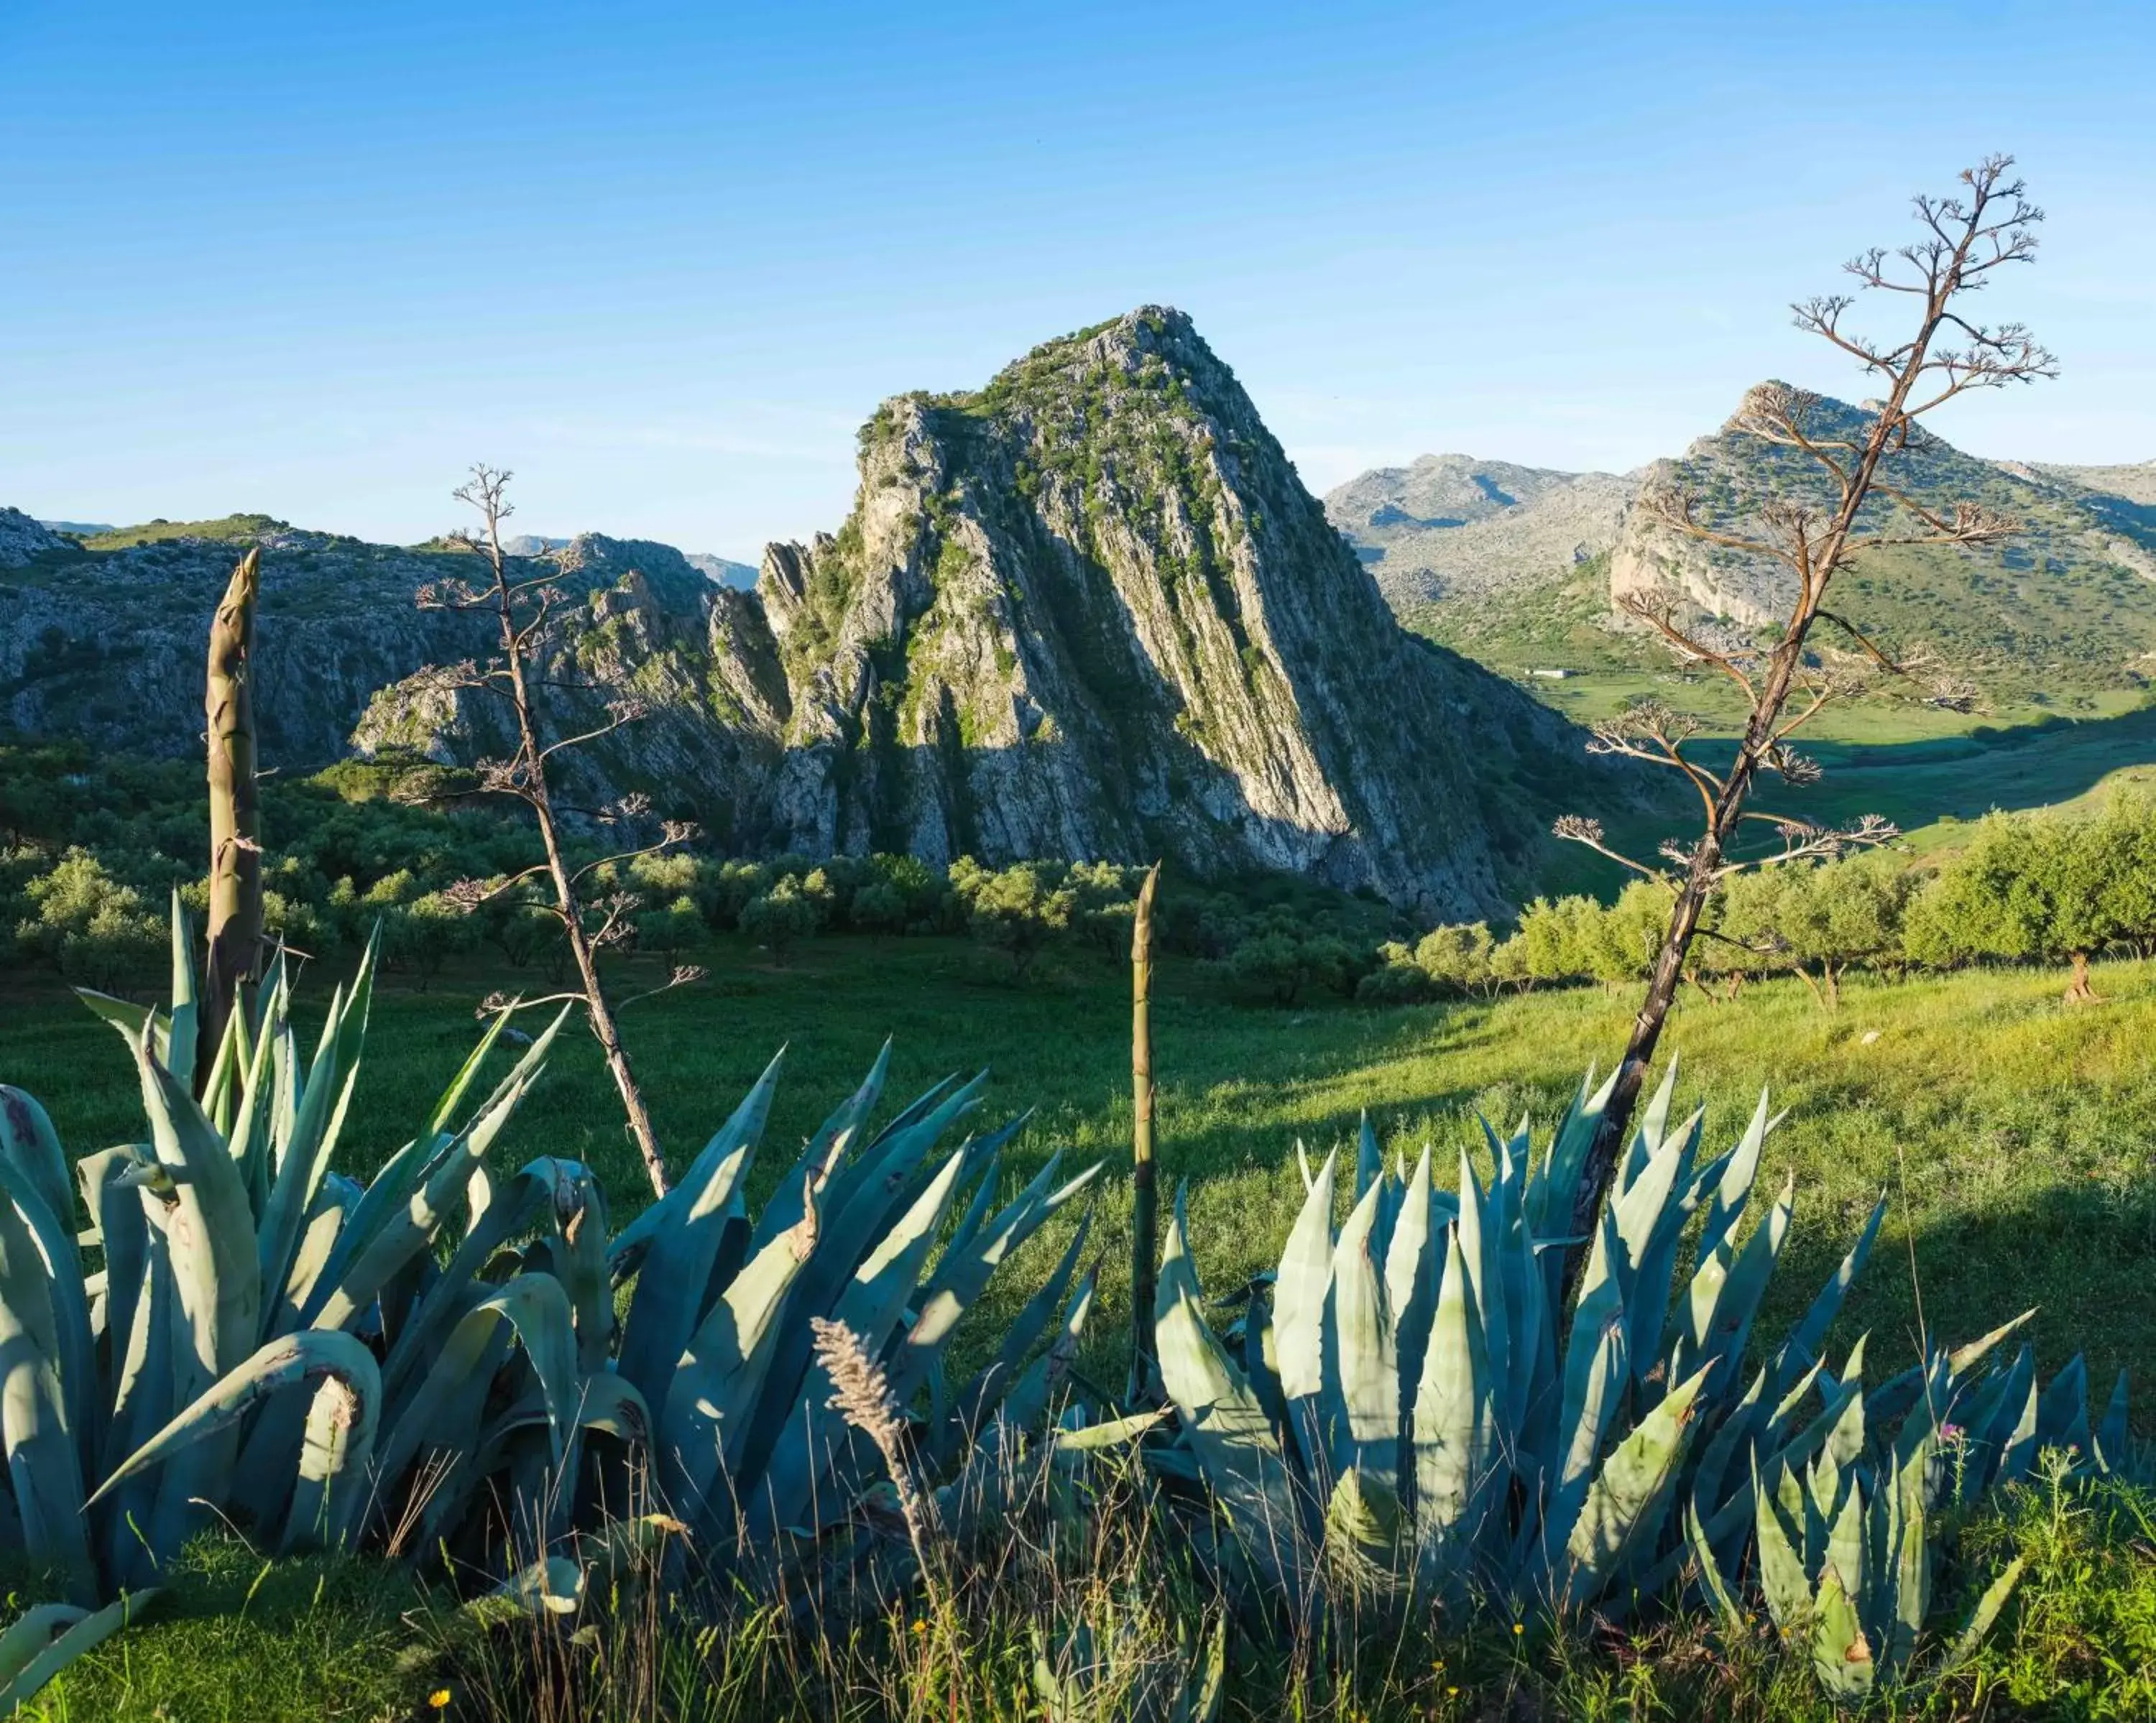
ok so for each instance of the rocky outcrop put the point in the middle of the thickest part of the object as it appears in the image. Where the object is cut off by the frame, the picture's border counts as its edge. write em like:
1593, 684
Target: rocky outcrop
23, 541
1452, 526
1088, 611
109, 644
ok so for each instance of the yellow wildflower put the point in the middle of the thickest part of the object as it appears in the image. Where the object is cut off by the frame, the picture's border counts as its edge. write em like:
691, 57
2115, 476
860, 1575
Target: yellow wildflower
438, 1700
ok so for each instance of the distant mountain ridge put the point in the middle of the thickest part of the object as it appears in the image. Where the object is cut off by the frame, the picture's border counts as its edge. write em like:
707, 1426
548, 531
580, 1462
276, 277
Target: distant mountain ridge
1481, 553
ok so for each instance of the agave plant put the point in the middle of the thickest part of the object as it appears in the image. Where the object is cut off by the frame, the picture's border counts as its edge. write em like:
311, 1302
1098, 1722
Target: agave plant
1404, 1402
1847, 1547
229, 1355
433, 1361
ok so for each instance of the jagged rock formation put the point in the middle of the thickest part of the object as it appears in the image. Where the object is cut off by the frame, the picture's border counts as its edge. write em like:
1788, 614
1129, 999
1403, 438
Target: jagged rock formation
108, 643
23, 540
1450, 526
1090, 611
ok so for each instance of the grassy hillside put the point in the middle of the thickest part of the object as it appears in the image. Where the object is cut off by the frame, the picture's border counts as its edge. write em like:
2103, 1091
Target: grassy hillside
2019, 1138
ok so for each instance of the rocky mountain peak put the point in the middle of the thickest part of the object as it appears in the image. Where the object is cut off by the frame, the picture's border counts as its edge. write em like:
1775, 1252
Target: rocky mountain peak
1088, 609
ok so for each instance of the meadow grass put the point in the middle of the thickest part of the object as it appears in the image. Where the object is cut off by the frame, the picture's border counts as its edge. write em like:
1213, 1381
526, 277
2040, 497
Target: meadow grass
2015, 1134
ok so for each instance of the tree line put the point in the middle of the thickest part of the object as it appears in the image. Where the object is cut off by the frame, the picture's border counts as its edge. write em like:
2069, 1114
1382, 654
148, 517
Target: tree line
2042, 887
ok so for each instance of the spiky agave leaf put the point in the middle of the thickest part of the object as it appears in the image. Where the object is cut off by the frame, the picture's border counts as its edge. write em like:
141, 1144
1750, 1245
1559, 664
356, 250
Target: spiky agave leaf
43, 1642
1226, 1426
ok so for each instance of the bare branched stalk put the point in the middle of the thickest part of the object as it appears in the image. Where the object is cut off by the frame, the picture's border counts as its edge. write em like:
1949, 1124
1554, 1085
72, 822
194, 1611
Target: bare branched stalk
1965, 237
525, 610
1145, 1193
235, 846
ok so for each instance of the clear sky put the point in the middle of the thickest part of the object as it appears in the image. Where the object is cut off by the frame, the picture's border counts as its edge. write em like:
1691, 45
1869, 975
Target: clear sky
662, 258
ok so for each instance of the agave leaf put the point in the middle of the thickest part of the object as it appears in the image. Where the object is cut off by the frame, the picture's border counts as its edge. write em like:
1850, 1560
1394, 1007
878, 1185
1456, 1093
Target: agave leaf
1652, 1269
1364, 1524
33, 1630
1552, 1189
115, 1214
368, 1262
2113, 1438
1480, 1229
1709, 1570
1412, 1268
217, 1280
1738, 1300
684, 1249
1625, 1507
870, 1306
316, 1116
863, 1200
2017, 1453
1841, 1656
1964, 1359
31, 1147
543, 1184
536, 1307
1453, 1434
1653, 1127
1732, 1434
580, 1252
73, 1356
981, 1396
43, 1460
1982, 1616
84, 1632
1361, 1373
1782, 1578
1910, 1559
283, 1362
1739, 1170
966, 1268
1597, 1359
720, 1375
825, 1154
2062, 1417
393, 1186
1027, 1405
1226, 1427
1115, 1432
1299, 1302
1806, 1339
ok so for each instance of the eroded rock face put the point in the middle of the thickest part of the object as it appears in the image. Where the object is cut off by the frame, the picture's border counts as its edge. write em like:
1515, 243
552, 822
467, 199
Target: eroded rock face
109, 645
1086, 612
1454, 526
1090, 610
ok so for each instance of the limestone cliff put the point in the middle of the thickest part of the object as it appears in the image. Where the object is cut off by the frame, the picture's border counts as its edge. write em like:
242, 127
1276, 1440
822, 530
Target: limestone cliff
1090, 610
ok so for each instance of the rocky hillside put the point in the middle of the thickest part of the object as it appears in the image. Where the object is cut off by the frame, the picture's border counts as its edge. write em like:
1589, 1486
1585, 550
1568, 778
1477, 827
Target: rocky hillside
1518, 565
1088, 611
1450, 526
2070, 600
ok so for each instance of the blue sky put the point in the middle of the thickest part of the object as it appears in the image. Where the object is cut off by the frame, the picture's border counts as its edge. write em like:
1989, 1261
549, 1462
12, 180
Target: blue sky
663, 259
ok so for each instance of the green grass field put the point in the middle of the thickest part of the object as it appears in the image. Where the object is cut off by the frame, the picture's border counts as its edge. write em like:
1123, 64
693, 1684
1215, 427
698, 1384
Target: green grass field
2017, 1137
